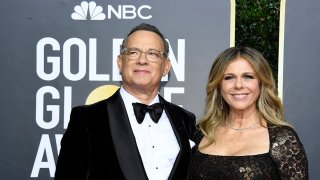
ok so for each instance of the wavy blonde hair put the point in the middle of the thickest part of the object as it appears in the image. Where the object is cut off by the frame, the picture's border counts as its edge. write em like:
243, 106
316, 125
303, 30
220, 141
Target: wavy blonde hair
269, 106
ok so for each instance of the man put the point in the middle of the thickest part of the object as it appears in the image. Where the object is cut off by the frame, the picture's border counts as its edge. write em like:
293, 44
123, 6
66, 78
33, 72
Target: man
109, 140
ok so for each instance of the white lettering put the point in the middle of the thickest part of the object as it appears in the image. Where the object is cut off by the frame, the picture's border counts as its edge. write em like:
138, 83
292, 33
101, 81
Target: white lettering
116, 44
129, 12
54, 109
93, 76
168, 91
55, 61
140, 9
58, 141
178, 64
113, 11
44, 149
67, 105
67, 59
67, 65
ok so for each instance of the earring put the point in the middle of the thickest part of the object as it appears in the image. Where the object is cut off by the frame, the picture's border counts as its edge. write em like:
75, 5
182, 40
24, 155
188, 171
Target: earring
221, 103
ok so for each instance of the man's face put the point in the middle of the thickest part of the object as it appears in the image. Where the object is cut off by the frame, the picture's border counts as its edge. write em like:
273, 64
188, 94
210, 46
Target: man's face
142, 72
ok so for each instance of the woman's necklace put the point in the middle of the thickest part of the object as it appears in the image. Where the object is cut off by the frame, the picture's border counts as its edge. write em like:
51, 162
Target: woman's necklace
242, 129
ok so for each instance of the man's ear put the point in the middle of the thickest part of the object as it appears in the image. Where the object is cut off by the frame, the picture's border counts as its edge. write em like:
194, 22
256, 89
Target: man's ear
167, 67
119, 63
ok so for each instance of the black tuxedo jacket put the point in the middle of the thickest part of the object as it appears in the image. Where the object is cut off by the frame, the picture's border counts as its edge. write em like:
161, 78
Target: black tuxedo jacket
99, 143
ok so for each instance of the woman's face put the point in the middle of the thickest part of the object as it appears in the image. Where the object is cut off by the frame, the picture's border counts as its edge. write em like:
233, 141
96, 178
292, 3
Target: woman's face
240, 85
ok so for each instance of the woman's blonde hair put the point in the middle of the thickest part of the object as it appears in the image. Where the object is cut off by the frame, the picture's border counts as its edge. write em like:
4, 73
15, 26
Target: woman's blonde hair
269, 106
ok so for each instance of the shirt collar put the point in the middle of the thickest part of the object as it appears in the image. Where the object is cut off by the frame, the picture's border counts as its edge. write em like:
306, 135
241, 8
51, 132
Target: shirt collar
128, 99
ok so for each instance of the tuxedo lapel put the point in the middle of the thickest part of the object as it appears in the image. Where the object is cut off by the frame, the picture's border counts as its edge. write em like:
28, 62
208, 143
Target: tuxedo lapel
181, 164
123, 139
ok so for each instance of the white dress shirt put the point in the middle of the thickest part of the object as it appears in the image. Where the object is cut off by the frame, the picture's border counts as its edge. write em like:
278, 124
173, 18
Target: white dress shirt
157, 143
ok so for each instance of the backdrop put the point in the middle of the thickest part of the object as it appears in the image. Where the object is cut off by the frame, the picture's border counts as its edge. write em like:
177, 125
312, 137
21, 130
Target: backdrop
300, 71
55, 53
60, 53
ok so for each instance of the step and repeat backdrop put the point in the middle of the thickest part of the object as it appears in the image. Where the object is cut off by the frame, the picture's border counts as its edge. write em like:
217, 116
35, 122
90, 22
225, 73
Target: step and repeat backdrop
300, 71
60, 53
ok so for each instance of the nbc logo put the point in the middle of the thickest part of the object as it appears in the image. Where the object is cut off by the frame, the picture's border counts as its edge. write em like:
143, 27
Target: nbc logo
90, 11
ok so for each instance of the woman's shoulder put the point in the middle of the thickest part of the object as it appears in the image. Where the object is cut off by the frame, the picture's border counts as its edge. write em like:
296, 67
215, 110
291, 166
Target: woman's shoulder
288, 152
281, 131
283, 137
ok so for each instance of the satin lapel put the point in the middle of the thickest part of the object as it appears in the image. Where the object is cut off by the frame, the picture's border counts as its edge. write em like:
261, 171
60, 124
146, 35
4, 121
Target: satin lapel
181, 164
123, 139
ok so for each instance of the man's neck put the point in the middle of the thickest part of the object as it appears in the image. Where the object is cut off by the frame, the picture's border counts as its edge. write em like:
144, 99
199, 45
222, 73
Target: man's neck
144, 96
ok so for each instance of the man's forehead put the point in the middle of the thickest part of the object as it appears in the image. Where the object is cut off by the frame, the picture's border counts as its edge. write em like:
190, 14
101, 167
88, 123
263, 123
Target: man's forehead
143, 37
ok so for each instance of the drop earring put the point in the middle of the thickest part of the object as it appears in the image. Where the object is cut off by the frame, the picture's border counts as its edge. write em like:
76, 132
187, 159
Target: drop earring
221, 102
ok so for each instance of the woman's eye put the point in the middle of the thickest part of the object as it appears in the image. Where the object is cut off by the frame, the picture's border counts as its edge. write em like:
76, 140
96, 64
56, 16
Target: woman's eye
248, 76
228, 77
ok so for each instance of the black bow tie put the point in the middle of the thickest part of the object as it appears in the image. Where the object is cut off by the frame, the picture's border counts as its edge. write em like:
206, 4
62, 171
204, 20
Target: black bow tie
155, 111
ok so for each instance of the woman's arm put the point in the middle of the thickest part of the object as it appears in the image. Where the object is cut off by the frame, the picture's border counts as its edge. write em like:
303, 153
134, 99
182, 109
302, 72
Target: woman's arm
289, 154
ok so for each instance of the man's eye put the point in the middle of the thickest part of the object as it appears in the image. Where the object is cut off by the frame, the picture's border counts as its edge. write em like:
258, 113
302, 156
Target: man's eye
153, 54
133, 52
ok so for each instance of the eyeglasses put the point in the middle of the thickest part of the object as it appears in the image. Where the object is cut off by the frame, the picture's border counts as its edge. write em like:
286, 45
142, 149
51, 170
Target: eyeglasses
151, 54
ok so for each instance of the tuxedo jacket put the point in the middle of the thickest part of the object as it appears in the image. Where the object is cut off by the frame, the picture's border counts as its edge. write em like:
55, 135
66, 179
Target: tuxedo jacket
99, 142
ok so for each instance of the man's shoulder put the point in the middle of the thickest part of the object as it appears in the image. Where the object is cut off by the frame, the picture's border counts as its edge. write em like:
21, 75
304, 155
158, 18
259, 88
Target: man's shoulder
96, 105
182, 109
174, 106
178, 109
92, 108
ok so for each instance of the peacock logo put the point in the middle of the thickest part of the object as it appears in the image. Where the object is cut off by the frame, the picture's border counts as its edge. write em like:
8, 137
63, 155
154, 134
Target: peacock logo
88, 11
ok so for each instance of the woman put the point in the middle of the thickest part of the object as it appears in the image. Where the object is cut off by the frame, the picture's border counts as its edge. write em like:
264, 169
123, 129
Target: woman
244, 134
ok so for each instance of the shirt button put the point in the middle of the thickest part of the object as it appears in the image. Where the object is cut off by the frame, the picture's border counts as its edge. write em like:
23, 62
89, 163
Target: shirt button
156, 167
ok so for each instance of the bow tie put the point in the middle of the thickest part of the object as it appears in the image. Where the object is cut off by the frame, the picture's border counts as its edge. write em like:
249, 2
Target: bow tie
155, 111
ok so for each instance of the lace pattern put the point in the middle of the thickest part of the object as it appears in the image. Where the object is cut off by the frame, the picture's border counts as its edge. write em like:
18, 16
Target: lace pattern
286, 159
288, 153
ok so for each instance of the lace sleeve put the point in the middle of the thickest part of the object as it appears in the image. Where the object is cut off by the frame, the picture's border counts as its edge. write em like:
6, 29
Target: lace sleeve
288, 153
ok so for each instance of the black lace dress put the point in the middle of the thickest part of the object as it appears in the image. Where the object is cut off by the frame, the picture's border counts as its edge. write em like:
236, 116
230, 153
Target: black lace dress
286, 160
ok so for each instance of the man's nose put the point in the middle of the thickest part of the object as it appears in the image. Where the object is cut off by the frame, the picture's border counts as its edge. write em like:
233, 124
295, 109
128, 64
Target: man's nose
142, 59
